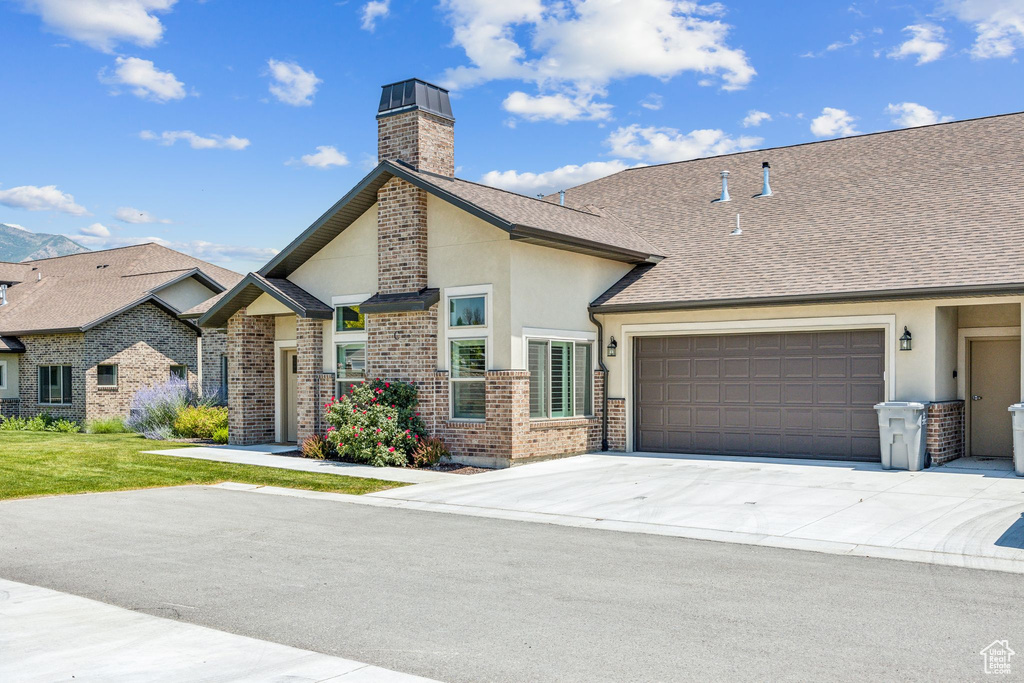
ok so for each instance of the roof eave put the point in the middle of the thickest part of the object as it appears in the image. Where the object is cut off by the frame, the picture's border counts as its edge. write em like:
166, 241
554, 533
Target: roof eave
216, 312
149, 298
823, 297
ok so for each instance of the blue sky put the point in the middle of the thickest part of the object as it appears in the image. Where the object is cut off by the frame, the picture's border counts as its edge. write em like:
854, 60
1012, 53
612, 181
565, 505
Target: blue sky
225, 128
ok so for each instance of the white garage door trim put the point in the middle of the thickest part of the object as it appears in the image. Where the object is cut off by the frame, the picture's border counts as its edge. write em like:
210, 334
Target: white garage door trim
821, 324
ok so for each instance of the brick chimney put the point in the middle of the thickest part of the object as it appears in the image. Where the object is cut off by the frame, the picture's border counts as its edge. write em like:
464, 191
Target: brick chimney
415, 125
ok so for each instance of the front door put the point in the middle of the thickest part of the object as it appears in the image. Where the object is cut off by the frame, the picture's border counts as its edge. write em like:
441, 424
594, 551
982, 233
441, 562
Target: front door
995, 385
291, 410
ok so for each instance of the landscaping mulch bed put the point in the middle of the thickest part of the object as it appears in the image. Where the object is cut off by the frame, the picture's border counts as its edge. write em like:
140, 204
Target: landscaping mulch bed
456, 468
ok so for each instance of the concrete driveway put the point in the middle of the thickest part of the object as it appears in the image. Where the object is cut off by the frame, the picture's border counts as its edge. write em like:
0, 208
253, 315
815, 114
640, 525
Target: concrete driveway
965, 514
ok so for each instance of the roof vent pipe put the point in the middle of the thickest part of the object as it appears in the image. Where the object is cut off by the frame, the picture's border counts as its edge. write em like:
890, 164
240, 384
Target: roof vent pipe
39, 276
725, 188
561, 197
737, 230
3, 295
766, 190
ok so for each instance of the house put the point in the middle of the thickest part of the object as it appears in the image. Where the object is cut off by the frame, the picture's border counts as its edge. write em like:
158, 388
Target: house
758, 303
79, 334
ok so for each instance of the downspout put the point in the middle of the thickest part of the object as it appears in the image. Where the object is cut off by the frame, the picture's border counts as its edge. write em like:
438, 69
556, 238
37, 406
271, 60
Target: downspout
604, 388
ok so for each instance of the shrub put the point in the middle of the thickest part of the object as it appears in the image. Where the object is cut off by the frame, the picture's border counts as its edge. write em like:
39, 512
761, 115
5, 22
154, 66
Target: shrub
221, 435
200, 422
375, 423
44, 422
154, 409
316, 447
428, 452
110, 425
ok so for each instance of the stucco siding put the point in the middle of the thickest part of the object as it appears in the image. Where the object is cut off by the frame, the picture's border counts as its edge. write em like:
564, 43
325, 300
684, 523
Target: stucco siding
268, 305
346, 265
552, 289
185, 294
10, 389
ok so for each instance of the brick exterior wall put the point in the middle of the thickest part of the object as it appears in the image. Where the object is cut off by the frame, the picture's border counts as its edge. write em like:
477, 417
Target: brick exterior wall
10, 407
419, 138
144, 342
251, 398
403, 346
617, 424
215, 346
944, 436
52, 349
309, 348
401, 237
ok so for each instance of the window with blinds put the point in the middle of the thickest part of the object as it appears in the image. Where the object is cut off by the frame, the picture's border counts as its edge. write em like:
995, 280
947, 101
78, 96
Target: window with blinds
561, 378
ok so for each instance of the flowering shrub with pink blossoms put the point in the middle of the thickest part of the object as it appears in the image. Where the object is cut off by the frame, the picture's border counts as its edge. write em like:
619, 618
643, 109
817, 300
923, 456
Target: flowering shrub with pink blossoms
375, 423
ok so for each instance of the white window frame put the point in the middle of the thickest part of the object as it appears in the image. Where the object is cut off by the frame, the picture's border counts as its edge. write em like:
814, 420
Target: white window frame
170, 370
347, 300
450, 334
3, 374
576, 337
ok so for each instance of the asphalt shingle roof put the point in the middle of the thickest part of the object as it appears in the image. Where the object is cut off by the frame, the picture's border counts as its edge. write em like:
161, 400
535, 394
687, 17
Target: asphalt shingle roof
937, 207
70, 292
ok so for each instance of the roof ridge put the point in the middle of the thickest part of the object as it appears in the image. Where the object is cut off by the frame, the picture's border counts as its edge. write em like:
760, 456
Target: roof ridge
891, 131
91, 251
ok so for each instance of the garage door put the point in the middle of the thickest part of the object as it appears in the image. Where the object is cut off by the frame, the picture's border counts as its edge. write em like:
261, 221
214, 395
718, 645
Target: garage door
807, 395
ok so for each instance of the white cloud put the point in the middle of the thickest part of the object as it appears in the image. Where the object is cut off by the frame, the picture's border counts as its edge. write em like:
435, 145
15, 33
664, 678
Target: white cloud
129, 214
654, 102
374, 10
911, 114
998, 23
207, 251
552, 181
833, 123
145, 80
291, 83
169, 137
102, 24
46, 198
927, 42
559, 108
661, 145
326, 156
95, 230
578, 48
854, 38
755, 118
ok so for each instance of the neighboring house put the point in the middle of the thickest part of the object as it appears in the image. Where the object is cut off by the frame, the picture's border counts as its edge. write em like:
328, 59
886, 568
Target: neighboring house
642, 315
80, 334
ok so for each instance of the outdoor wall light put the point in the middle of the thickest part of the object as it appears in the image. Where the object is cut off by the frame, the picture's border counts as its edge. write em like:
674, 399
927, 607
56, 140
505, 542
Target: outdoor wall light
612, 346
905, 344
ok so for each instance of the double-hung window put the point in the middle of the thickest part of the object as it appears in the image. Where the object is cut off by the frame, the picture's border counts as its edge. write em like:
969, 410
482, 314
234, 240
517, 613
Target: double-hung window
351, 362
468, 333
55, 384
3, 374
349, 342
561, 378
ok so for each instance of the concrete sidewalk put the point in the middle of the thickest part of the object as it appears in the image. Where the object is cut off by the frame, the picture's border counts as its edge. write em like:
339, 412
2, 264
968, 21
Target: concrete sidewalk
269, 456
50, 636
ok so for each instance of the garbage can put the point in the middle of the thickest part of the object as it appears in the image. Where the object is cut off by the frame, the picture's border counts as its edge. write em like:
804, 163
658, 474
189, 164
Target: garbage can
1018, 438
901, 430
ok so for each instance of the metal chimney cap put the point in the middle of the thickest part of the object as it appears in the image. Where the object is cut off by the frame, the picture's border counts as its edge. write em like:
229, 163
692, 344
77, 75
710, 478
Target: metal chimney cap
413, 94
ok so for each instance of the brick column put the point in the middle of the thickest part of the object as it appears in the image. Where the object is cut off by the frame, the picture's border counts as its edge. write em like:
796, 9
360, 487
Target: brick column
944, 435
309, 350
403, 346
251, 374
616, 424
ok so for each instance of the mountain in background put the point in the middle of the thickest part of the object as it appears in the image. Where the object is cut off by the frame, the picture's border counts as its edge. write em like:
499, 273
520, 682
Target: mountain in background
18, 244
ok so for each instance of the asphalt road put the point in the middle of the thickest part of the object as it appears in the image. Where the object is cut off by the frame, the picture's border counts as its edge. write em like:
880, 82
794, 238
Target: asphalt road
470, 599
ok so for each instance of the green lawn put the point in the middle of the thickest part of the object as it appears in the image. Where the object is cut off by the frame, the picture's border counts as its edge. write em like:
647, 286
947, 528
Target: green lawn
44, 463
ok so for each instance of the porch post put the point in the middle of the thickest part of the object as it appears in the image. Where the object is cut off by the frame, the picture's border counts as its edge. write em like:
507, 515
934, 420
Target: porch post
251, 375
309, 346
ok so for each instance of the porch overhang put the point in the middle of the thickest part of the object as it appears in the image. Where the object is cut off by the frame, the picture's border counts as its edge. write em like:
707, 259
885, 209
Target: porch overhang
401, 302
304, 304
